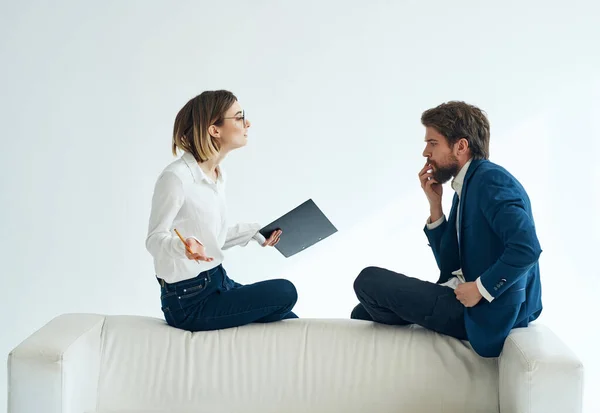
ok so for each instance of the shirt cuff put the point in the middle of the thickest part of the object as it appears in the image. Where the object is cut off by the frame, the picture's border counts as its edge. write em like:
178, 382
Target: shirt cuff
437, 223
259, 238
197, 240
482, 290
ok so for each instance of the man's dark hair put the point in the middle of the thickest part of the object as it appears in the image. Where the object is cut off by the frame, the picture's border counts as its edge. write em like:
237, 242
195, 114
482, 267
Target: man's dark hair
456, 120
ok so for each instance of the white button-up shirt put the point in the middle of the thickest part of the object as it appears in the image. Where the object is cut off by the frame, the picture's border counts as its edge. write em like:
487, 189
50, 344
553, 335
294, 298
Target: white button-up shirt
185, 198
457, 184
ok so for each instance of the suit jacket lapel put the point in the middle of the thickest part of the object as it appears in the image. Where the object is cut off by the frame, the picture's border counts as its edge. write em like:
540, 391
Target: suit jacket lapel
453, 213
475, 163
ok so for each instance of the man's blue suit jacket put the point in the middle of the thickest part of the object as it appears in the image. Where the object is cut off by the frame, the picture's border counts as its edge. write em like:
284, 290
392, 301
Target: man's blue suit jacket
498, 243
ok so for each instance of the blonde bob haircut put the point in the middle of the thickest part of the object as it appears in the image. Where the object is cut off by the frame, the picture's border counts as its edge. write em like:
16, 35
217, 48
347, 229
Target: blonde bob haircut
190, 131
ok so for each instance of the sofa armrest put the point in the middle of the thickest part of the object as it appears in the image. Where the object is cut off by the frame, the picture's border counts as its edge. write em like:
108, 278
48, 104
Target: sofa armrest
56, 369
539, 373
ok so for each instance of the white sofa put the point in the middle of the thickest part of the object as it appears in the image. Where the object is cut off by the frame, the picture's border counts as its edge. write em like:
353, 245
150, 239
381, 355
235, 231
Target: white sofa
93, 363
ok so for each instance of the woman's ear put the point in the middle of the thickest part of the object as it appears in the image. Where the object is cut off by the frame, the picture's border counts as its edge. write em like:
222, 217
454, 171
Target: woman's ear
214, 131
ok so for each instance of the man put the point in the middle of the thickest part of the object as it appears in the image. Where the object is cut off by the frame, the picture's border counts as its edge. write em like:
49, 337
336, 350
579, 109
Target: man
487, 250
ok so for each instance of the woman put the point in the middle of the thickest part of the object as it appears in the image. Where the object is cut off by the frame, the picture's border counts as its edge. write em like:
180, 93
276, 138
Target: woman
196, 293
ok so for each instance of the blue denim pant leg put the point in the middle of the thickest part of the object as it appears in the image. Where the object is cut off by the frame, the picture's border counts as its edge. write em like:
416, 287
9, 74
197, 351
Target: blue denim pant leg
213, 301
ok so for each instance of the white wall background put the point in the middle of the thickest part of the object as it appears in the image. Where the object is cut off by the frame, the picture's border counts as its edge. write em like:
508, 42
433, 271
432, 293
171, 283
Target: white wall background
335, 90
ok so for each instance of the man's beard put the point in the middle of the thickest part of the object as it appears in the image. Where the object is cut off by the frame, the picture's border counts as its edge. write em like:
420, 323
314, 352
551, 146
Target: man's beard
442, 174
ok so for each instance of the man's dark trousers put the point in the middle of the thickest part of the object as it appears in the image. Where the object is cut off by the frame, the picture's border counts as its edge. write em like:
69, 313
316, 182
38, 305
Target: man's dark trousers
391, 298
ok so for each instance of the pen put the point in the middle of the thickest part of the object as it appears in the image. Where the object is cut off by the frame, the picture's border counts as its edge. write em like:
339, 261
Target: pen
184, 243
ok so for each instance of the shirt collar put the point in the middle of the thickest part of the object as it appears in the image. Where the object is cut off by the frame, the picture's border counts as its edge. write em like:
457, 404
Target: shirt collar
457, 182
197, 172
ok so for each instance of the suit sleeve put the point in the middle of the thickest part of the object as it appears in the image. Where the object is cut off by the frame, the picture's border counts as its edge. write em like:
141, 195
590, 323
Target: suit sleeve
434, 232
504, 208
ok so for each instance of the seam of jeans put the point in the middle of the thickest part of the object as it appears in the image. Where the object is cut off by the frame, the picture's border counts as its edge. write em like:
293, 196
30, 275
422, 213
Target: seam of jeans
241, 312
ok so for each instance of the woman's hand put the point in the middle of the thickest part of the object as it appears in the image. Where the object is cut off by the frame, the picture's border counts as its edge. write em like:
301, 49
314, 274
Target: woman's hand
273, 239
195, 251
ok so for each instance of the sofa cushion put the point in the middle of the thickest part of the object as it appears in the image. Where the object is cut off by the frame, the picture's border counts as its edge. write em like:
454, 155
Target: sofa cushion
327, 365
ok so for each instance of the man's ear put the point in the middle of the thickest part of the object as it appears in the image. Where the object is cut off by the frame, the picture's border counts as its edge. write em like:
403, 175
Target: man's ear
462, 146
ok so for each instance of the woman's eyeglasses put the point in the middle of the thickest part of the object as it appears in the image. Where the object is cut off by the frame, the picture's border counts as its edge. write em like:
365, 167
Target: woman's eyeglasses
242, 118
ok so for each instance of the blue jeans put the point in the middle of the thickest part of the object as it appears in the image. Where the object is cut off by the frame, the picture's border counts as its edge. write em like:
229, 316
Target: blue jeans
213, 301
